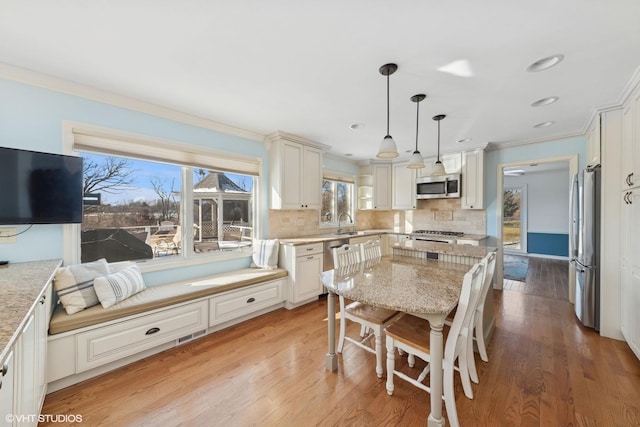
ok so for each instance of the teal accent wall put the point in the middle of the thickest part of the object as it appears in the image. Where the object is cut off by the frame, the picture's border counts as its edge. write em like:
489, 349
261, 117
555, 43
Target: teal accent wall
548, 244
538, 151
31, 118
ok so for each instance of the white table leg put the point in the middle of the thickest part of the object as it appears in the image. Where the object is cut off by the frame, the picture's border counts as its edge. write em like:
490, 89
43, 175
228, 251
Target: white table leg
331, 359
437, 352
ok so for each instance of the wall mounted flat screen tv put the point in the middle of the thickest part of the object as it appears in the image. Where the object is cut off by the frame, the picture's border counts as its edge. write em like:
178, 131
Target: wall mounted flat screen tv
39, 188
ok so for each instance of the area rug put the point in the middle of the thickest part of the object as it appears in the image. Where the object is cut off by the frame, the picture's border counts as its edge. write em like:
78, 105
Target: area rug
515, 267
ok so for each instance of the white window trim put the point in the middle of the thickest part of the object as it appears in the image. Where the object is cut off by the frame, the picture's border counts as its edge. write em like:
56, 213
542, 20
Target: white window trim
84, 137
349, 180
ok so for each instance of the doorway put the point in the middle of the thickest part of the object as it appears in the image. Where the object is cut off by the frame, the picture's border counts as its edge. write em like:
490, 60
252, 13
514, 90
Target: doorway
518, 169
514, 219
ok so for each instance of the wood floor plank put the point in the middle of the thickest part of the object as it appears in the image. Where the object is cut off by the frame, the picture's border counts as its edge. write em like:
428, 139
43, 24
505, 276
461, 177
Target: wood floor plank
544, 369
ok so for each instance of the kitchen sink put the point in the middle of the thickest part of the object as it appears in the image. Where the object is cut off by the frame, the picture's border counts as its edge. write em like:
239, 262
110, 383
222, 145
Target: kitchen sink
347, 233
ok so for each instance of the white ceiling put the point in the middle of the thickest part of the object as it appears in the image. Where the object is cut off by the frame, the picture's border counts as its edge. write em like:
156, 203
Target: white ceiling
310, 68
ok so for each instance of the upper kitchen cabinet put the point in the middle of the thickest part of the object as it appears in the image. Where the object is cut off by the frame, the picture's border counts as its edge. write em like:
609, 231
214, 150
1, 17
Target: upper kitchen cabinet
452, 163
295, 172
374, 186
631, 141
593, 142
403, 182
473, 179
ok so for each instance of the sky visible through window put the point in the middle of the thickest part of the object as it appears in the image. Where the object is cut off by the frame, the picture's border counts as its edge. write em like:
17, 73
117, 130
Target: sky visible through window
145, 172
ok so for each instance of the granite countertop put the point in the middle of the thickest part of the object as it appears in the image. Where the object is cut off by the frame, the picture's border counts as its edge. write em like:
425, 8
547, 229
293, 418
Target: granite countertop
303, 240
400, 283
445, 248
21, 285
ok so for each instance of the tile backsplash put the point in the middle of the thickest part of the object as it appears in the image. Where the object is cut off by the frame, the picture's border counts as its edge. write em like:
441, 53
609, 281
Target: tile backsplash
439, 214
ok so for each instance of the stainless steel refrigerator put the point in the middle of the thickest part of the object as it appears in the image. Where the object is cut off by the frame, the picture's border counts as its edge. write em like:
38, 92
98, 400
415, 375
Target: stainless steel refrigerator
584, 244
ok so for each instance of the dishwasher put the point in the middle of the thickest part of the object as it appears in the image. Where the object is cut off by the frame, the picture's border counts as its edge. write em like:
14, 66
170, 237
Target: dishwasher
328, 252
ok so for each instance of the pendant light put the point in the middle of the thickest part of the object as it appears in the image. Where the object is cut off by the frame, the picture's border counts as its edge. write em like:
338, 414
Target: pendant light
438, 168
416, 161
388, 149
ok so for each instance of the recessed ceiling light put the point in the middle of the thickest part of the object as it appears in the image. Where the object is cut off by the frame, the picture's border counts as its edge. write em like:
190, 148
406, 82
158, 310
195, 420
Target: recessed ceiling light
543, 124
356, 126
462, 141
545, 63
544, 101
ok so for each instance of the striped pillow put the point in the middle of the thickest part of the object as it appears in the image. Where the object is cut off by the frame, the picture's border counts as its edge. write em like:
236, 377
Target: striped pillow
74, 284
265, 253
115, 287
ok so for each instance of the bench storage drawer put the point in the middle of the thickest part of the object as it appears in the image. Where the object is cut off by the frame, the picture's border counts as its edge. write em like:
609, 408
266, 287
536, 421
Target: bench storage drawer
225, 307
106, 344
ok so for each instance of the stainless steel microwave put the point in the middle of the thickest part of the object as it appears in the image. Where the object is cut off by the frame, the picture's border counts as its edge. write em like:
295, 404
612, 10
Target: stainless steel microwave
438, 187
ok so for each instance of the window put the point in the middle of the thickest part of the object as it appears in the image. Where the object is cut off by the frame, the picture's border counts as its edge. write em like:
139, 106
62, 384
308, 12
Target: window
148, 200
337, 203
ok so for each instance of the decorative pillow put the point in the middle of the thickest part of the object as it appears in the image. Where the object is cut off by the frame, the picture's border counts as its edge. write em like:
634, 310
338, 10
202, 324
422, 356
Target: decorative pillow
115, 287
265, 253
74, 284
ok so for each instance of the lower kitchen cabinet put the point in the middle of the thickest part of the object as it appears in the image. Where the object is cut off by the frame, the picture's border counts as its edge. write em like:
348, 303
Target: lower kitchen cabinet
630, 270
304, 264
7, 383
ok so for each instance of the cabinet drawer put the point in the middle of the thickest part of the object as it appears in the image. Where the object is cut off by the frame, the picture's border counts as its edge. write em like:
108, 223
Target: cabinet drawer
223, 308
313, 248
113, 342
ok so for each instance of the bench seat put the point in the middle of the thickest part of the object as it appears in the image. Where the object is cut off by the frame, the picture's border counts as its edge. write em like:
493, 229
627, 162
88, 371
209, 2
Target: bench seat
155, 297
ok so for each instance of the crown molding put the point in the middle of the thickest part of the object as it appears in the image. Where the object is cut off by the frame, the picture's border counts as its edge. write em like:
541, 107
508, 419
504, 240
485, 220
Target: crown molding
294, 138
34, 78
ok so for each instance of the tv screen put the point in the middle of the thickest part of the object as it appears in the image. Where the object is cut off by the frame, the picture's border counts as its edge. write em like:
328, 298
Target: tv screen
39, 188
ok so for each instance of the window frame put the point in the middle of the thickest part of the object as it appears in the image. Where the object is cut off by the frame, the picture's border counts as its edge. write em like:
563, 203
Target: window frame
80, 137
353, 210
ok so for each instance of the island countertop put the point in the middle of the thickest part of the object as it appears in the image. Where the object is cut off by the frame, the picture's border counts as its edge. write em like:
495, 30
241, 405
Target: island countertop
390, 282
21, 285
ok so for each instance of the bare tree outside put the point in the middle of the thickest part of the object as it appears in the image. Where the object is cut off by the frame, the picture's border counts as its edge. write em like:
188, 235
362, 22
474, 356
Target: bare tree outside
112, 176
166, 199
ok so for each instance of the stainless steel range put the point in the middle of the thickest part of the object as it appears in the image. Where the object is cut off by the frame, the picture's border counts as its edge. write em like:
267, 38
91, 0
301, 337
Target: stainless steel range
436, 236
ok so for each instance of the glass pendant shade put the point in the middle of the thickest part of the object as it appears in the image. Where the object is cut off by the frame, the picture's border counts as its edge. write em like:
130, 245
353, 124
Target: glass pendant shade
438, 168
416, 161
388, 148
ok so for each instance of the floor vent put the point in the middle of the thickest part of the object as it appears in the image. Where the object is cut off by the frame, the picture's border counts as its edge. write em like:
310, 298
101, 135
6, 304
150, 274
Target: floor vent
189, 337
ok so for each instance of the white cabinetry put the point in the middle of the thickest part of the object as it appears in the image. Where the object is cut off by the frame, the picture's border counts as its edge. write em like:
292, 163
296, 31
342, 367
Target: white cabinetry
26, 392
374, 187
295, 172
403, 186
630, 223
473, 179
593, 142
7, 381
304, 264
452, 164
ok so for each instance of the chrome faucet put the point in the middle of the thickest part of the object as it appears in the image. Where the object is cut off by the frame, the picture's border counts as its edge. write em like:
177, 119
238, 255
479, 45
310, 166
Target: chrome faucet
339, 224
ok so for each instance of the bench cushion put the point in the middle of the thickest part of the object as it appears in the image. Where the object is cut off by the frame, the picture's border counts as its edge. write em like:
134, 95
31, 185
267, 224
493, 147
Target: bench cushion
155, 297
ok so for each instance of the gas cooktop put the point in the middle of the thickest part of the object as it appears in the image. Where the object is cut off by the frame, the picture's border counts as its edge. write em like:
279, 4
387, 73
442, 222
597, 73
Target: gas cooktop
440, 233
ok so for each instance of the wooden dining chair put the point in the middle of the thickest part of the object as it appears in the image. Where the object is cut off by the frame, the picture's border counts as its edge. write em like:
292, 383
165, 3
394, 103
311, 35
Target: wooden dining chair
477, 325
370, 318
370, 249
412, 335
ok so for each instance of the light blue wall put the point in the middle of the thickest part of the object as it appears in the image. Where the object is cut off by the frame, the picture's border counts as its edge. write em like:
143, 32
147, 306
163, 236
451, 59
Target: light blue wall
538, 151
31, 118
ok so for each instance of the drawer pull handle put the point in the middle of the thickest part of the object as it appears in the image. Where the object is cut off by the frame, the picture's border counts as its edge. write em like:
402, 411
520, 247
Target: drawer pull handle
42, 300
5, 369
252, 299
152, 331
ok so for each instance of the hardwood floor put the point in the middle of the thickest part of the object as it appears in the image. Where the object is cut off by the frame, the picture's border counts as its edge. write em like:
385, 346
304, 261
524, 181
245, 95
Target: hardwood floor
545, 277
544, 369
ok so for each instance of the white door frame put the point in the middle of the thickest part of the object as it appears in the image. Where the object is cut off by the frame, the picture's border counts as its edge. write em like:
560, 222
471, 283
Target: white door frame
573, 169
523, 218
